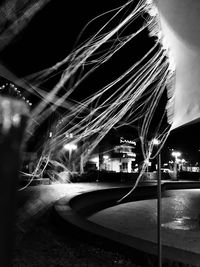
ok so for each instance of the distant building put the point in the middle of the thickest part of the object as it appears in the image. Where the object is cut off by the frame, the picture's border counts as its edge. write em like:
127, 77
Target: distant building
119, 157
190, 168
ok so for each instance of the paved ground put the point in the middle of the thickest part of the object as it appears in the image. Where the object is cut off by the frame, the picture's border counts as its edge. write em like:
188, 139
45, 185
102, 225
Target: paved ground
40, 242
180, 217
35, 200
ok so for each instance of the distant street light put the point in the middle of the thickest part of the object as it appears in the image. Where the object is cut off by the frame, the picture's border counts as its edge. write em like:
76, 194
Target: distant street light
183, 162
70, 147
156, 141
106, 159
176, 154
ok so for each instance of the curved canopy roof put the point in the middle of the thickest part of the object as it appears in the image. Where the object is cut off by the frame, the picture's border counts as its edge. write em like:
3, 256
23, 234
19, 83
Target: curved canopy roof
180, 22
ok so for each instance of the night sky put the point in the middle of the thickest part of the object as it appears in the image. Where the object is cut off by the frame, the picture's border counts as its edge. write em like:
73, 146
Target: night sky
52, 34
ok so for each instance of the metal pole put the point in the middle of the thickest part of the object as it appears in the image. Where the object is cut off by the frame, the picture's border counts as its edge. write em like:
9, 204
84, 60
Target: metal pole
175, 168
159, 211
70, 155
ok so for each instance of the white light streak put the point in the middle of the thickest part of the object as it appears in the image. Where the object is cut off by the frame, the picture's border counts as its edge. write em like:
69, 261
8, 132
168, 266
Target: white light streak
129, 97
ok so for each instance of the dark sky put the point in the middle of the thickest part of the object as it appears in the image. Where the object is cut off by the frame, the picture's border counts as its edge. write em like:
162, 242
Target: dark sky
186, 139
51, 35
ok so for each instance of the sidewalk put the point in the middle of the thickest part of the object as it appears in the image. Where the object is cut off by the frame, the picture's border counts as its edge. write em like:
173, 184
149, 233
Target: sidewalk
133, 224
41, 242
35, 200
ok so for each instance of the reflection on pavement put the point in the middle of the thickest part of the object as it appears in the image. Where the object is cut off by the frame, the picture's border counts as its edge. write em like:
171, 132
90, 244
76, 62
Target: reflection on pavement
183, 223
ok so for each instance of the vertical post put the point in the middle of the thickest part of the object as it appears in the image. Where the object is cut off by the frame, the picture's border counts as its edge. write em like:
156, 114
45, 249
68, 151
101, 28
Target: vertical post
159, 211
12, 126
70, 155
176, 154
82, 163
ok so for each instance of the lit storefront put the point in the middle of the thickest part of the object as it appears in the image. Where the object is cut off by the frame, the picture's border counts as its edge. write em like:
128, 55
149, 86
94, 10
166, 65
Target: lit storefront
119, 158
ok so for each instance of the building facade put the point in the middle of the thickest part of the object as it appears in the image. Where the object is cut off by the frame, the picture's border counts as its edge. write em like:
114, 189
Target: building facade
119, 157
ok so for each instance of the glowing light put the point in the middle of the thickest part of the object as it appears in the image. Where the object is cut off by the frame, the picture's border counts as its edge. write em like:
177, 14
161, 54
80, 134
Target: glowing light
6, 115
16, 120
153, 11
70, 146
69, 135
96, 160
156, 141
10, 113
176, 154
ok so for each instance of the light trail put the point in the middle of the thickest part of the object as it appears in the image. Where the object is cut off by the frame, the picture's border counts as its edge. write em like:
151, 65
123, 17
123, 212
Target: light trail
131, 97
